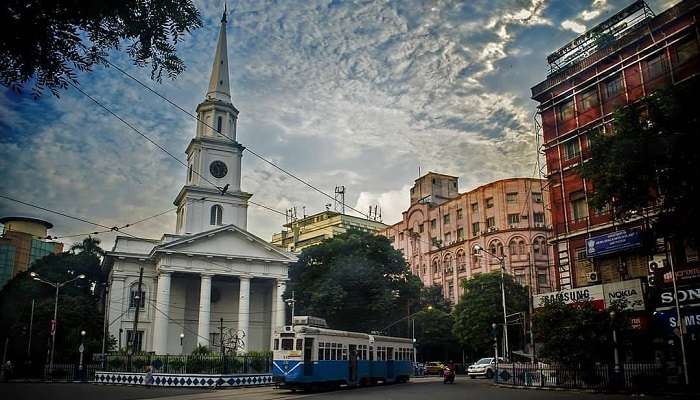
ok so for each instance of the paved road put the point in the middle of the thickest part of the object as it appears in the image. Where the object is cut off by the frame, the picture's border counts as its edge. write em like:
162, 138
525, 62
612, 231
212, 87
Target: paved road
420, 389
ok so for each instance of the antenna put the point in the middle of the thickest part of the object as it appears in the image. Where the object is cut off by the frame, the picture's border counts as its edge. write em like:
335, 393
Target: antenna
339, 199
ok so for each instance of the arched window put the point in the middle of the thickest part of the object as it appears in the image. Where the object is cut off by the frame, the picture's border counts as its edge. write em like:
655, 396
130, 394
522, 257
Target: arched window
499, 249
476, 257
435, 266
447, 263
513, 247
219, 124
521, 247
216, 214
461, 261
495, 248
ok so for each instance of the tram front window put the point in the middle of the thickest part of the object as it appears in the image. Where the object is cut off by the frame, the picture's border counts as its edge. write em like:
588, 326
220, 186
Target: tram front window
287, 344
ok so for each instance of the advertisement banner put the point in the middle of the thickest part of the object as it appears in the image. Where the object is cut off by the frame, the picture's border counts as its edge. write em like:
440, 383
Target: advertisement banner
613, 242
631, 291
593, 294
602, 296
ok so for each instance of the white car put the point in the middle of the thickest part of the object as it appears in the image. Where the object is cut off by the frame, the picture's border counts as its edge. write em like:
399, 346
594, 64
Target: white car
485, 367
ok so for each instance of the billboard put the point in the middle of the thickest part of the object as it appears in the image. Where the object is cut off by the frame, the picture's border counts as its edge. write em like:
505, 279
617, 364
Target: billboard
602, 296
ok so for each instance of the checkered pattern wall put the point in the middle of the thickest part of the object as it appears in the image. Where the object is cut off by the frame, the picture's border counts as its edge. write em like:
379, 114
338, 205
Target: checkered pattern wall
184, 380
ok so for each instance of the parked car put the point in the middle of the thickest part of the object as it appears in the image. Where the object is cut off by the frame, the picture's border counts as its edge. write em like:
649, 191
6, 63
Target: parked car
485, 367
434, 368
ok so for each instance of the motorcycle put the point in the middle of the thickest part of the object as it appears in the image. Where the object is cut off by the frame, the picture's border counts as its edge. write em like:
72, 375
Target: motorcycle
448, 376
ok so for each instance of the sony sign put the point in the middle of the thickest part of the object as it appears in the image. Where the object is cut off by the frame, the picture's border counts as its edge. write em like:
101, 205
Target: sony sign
685, 296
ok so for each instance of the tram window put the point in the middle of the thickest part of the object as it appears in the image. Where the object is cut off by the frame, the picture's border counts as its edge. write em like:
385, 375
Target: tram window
321, 346
371, 353
345, 353
389, 353
287, 344
300, 344
327, 355
277, 344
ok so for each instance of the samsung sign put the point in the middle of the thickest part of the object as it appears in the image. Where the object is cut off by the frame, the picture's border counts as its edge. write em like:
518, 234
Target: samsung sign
601, 296
613, 242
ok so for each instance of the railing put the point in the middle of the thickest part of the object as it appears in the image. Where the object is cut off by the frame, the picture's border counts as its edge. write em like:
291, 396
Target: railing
630, 376
190, 364
71, 372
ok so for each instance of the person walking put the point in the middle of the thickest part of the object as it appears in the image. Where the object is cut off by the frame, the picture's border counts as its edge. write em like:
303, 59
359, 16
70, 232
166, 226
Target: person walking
148, 379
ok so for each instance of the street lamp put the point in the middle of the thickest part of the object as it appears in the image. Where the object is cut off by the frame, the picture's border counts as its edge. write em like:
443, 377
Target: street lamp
494, 326
54, 324
182, 336
81, 349
478, 249
290, 302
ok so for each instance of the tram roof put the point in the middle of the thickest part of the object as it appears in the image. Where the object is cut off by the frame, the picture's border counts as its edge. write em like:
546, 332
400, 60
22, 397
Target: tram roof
357, 335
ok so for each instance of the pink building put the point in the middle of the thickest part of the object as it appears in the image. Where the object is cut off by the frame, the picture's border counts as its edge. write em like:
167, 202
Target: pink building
509, 218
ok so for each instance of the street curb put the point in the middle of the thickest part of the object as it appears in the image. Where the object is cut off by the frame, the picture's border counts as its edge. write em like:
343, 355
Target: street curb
590, 391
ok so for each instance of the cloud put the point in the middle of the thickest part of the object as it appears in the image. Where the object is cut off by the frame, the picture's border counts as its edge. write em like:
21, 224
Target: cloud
340, 93
573, 26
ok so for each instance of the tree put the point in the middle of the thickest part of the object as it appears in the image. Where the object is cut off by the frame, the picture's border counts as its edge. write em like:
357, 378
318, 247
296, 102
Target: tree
89, 245
651, 158
577, 334
356, 281
49, 41
78, 307
431, 296
481, 305
434, 336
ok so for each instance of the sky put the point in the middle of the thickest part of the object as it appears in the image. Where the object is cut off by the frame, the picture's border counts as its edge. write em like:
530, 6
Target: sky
362, 94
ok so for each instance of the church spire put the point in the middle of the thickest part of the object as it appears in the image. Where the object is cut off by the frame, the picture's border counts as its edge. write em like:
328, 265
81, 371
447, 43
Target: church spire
218, 83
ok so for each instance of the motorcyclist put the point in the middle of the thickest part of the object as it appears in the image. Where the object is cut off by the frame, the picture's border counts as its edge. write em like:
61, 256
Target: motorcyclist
449, 373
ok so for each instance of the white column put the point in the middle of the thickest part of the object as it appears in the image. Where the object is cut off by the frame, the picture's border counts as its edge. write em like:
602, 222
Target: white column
204, 310
279, 304
273, 317
160, 315
244, 310
117, 300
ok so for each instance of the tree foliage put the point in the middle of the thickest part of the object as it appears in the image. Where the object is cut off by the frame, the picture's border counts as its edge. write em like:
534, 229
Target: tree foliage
652, 158
578, 334
78, 306
49, 41
434, 336
356, 281
481, 305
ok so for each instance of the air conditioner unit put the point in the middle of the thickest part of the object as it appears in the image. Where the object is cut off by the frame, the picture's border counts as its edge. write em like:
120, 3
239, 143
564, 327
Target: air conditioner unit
513, 226
539, 225
492, 229
593, 277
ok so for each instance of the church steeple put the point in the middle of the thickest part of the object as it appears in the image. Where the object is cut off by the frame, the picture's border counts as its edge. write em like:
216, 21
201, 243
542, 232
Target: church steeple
218, 83
214, 158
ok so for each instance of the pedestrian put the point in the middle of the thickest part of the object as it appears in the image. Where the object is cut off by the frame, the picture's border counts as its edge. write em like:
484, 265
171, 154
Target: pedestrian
149, 376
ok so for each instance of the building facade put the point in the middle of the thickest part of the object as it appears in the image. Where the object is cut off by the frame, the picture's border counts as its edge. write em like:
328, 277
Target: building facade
212, 276
23, 241
439, 231
312, 230
588, 81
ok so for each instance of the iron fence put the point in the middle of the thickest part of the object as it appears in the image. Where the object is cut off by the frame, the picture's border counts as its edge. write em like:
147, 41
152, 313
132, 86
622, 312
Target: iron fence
189, 364
70, 372
629, 376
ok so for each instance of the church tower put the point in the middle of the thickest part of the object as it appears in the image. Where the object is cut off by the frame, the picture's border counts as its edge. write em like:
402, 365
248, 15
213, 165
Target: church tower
214, 157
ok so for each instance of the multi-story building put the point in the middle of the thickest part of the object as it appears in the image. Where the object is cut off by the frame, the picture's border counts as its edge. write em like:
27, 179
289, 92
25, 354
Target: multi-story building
622, 59
440, 229
23, 241
313, 229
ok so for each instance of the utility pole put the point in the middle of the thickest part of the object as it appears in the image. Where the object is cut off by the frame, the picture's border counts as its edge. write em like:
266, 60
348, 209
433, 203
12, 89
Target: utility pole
290, 302
531, 305
105, 326
681, 329
134, 335
221, 335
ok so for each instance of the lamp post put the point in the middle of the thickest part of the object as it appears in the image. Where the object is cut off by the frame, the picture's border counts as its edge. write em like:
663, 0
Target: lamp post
182, 336
502, 261
615, 351
81, 349
290, 302
54, 324
494, 326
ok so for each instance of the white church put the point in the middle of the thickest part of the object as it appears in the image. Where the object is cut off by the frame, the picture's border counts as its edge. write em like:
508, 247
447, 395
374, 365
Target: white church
212, 271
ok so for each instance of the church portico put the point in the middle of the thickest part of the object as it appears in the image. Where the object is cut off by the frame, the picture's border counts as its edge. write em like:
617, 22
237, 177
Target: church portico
212, 272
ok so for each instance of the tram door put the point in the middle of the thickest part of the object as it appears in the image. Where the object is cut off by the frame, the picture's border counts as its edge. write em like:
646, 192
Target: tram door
390, 363
308, 356
352, 363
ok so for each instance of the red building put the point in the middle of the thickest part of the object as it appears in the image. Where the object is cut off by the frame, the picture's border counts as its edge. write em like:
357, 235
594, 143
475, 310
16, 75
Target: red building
615, 63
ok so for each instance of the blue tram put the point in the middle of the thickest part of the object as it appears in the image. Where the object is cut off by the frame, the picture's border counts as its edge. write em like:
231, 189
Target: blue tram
309, 355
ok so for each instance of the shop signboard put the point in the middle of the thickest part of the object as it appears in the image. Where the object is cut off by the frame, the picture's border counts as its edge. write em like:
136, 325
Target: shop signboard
613, 242
628, 291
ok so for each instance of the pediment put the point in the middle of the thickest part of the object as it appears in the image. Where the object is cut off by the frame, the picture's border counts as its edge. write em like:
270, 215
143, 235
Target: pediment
227, 241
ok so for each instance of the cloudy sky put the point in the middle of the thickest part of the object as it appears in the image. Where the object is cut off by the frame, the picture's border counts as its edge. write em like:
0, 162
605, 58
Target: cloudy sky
358, 93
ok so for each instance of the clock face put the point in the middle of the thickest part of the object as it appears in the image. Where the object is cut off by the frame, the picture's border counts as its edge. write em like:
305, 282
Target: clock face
218, 169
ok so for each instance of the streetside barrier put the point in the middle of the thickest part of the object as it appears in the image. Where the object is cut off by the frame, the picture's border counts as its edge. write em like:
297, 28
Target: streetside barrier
600, 377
